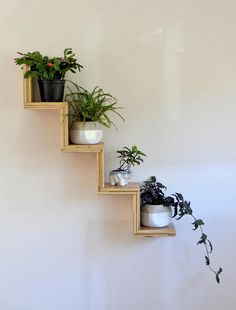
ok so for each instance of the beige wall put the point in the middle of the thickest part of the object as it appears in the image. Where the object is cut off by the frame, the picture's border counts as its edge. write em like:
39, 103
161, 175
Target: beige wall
172, 65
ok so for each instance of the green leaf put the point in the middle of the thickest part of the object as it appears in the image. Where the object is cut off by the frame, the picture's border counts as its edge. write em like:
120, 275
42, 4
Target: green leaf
217, 275
197, 223
32, 74
180, 196
202, 239
175, 211
210, 245
207, 260
57, 67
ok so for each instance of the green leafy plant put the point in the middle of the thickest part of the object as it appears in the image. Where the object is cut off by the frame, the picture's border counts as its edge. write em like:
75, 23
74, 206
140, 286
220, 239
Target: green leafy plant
46, 68
94, 106
129, 157
152, 192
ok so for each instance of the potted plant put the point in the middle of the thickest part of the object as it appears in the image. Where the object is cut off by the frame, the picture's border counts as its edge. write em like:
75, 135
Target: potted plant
152, 194
50, 72
155, 206
128, 157
88, 112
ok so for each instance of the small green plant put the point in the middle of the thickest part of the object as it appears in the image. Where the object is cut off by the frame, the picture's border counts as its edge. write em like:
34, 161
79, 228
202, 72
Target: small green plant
94, 106
46, 68
129, 157
152, 192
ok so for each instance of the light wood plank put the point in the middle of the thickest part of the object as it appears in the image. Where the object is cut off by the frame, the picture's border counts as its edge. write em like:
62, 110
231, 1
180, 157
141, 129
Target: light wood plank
130, 188
27, 88
100, 169
86, 148
135, 205
64, 126
45, 105
137, 213
156, 232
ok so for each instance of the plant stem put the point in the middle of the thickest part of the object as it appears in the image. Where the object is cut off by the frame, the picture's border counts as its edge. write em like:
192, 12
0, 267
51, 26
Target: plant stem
206, 247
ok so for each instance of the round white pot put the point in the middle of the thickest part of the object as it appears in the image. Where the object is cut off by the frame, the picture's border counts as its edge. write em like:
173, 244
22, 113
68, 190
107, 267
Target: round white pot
156, 215
120, 177
85, 133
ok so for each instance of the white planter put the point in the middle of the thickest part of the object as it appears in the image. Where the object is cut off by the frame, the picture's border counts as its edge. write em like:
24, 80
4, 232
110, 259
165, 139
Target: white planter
156, 215
85, 133
119, 177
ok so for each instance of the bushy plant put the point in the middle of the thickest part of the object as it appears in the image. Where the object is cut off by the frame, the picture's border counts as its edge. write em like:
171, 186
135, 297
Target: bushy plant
44, 67
94, 106
152, 192
130, 157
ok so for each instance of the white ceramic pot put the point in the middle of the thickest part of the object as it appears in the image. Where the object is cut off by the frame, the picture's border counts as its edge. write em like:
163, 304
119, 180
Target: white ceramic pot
85, 133
120, 177
156, 215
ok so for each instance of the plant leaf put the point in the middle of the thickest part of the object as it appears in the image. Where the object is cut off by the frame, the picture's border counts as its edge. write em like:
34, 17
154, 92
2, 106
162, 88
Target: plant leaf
180, 196
175, 211
207, 260
210, 245
197, 223
202, 239
217, 275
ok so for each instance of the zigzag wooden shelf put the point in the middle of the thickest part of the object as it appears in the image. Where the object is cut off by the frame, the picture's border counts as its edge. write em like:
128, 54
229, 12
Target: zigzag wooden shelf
103, 188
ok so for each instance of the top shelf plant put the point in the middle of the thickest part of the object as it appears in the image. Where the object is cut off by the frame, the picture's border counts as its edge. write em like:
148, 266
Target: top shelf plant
51, 72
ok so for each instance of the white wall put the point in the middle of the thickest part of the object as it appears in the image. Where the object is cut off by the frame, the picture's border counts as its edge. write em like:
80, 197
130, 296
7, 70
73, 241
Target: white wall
172, 65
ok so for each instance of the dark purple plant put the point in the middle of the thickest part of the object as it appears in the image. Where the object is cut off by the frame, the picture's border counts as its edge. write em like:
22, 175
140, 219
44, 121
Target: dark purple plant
152, 192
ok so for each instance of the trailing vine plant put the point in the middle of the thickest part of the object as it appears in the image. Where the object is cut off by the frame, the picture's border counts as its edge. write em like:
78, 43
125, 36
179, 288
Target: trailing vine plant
152, 192
181, 208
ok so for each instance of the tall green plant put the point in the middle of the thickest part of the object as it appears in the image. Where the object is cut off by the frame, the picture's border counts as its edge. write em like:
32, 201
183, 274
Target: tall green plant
94, 106
182, 207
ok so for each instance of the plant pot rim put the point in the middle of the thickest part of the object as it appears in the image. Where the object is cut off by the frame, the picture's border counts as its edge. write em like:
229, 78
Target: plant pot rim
50, 80
85, 122
122, 170
155, 208
155, 204
77, 125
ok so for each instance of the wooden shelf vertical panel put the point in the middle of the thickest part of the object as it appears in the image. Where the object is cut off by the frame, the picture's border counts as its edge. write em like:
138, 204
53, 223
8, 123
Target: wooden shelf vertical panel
64, 126
135, 199
100, 169
27, 88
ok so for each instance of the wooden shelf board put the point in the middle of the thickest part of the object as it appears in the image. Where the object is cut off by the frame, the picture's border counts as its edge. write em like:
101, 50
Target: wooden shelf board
45, 105
86, 148
130, 188
156, 232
